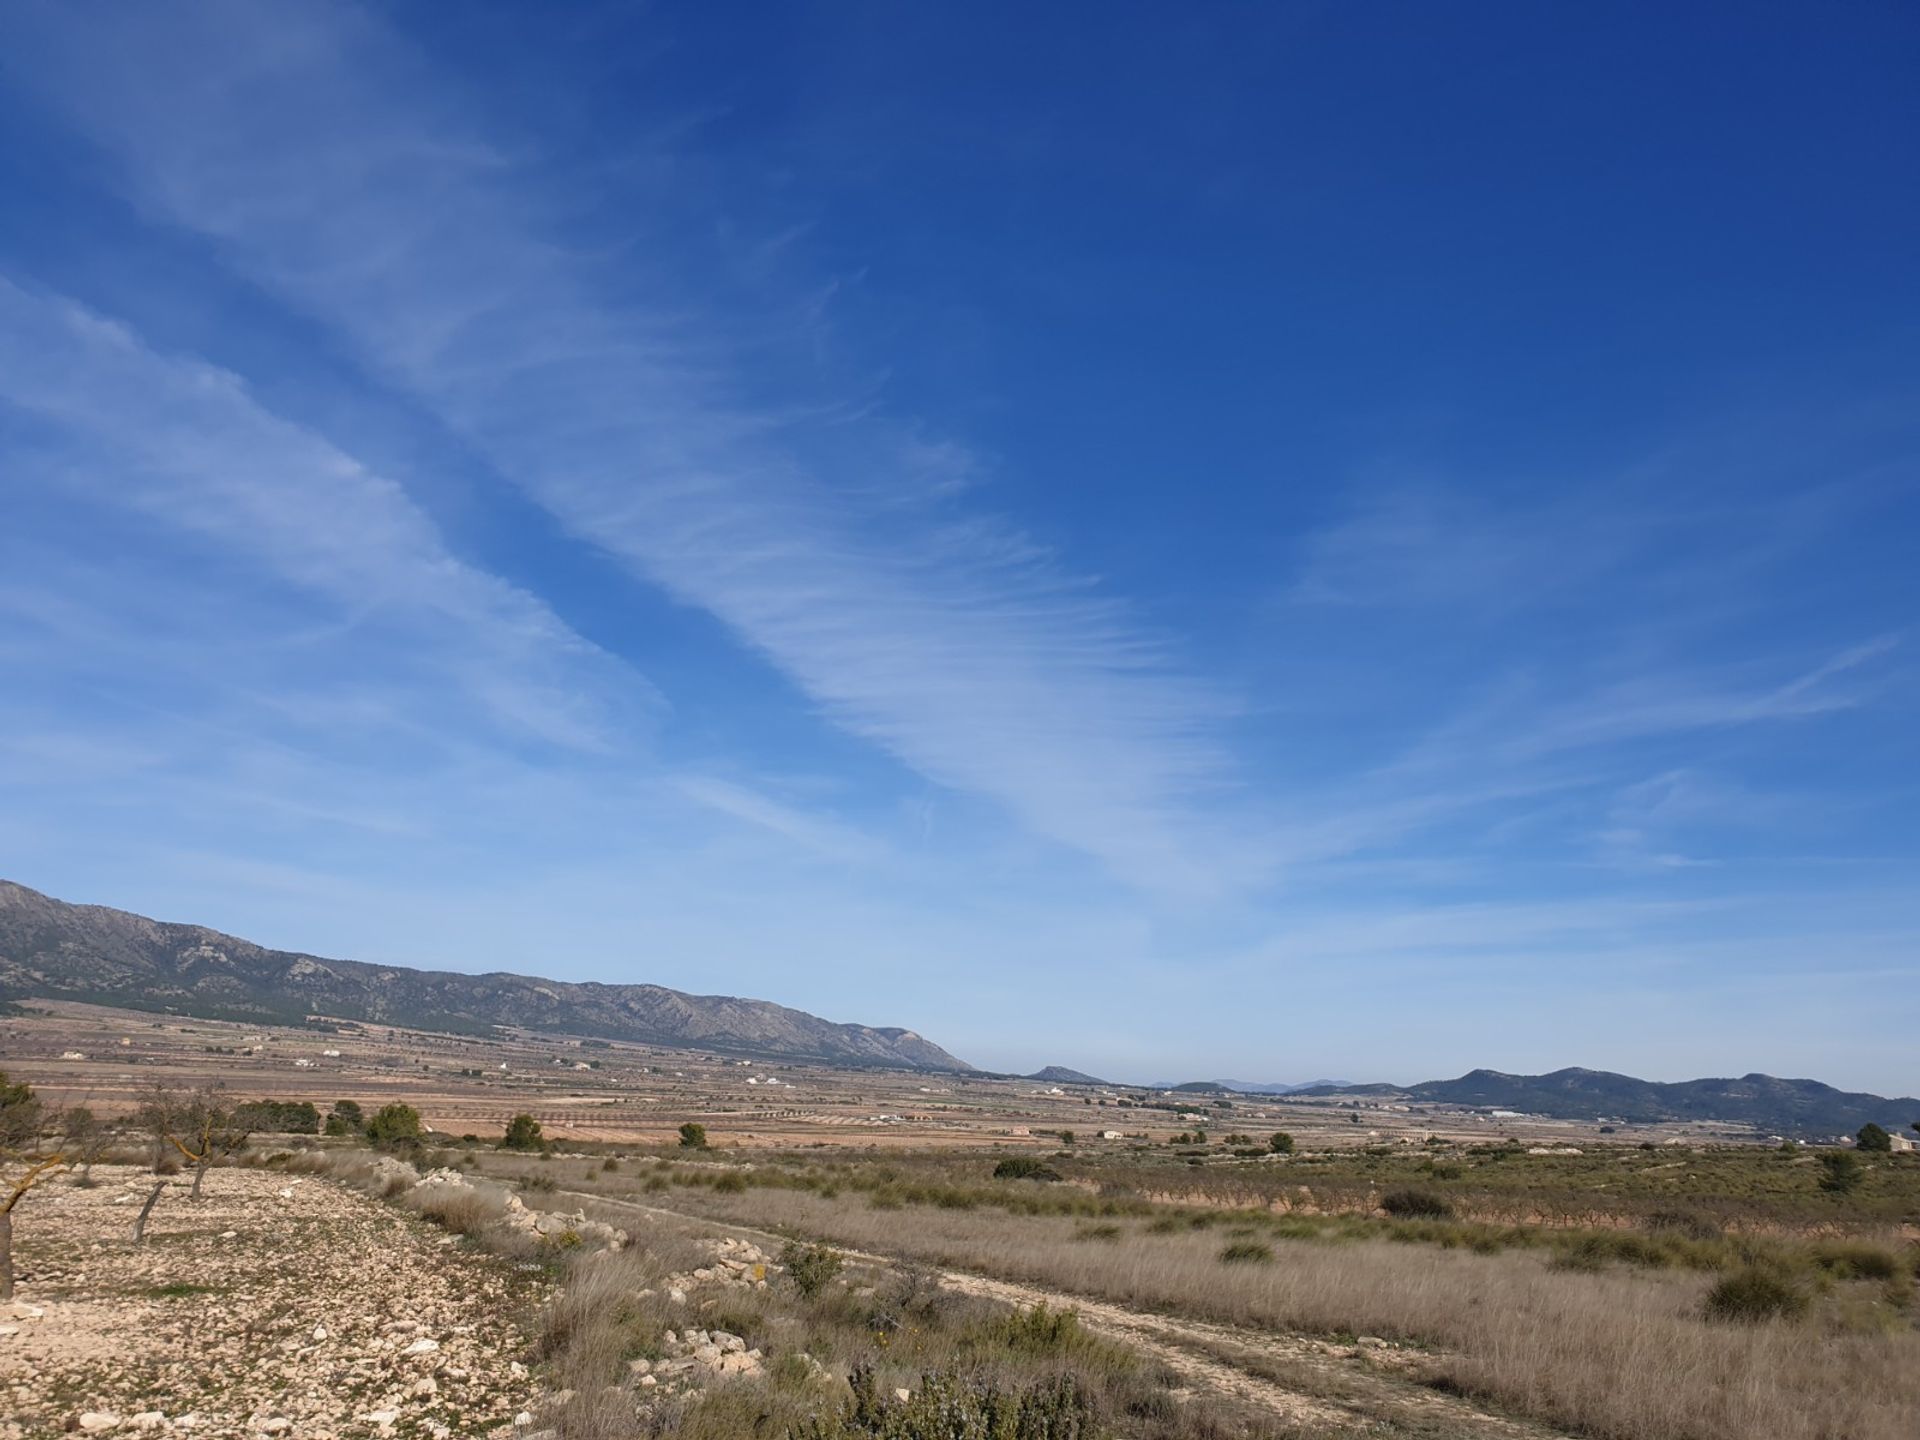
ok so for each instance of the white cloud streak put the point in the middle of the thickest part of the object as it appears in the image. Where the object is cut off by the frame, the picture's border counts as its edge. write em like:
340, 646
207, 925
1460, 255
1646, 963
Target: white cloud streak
184, 445
327, 165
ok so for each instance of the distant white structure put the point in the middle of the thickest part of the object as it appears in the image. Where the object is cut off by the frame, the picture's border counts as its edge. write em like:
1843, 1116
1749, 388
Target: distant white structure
1900, 1142
1110, 1135
303, 1063
331, 1054
80, 1055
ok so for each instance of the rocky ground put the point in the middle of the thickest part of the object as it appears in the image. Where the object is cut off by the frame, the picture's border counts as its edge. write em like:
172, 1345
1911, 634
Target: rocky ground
274, 1305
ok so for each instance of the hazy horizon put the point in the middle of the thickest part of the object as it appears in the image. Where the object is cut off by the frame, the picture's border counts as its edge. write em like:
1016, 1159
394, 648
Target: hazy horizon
1264, 543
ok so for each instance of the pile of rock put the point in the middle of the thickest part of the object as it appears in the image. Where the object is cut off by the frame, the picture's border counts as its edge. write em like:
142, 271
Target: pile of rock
562, 1227
737, 1263
697, 1354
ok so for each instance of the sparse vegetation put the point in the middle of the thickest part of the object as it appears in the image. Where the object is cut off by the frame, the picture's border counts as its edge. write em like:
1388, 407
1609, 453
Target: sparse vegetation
693, 1136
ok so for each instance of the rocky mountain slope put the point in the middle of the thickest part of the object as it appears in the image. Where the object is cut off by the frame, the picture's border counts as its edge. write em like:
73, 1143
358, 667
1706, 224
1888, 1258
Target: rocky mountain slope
1793, 1107
50, 949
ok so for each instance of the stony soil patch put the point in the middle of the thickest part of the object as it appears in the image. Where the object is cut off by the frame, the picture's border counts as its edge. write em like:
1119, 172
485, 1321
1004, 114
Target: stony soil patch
275, 1305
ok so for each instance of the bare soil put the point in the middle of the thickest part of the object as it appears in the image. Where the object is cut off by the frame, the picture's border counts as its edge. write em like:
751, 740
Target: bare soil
273, 1305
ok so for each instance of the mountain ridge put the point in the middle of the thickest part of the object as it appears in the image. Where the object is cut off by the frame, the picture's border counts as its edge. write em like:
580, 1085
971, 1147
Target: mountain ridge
1768, 1102
50, 949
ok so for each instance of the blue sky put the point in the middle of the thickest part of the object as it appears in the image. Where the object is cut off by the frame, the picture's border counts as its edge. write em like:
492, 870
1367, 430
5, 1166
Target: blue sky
1269, 541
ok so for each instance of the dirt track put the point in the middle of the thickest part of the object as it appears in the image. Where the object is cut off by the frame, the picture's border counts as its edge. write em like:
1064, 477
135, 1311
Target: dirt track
1328, 1388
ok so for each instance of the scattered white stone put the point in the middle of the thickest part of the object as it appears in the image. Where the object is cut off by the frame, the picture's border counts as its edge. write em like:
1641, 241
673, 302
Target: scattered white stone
421, 1347
98, 1420
903, 1395
149, 1420
278, 1425
320, 1332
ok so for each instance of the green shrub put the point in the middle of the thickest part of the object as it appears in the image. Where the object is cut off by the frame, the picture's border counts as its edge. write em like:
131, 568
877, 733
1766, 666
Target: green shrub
1874, 1139
1841, 1173
284, 1117
1024, 1167
693, 1137
523, 1133
731, 1183
811, 1268
346, 1118
1280, 1143
1856, 1260
396, 1127
949, 1407
1408, 1203
1039, 1331
1755, 1294
1246, 1252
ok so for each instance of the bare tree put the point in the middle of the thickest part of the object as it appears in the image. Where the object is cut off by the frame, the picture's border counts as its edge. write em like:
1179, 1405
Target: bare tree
26, 1124
198, 1123
83, 1138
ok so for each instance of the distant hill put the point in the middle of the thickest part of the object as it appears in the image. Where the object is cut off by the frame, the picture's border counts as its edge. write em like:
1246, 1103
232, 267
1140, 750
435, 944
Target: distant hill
1271, 1087
53, 950
1061, 1075
1798, 1107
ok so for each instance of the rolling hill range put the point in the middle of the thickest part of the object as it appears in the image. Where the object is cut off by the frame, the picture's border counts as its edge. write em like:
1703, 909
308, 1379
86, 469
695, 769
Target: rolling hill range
1794, 1107
53, 950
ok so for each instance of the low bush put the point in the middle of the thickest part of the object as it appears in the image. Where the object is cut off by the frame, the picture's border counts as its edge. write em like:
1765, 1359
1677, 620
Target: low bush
1753, 1295
1024, 1167
523, 1133
946, 1405
811, 1268
1690, 1223
1856, 1260
1411, 1204
1246, 1252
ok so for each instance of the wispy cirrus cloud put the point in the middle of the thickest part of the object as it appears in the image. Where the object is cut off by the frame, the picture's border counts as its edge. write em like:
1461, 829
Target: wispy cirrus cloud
942, 635
182, 447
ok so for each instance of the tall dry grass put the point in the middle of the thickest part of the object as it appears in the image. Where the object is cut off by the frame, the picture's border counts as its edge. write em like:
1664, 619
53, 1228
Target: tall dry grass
1625, 1355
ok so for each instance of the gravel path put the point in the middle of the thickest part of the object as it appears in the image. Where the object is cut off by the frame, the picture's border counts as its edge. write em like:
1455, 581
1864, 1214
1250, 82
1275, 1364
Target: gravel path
275, 1305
